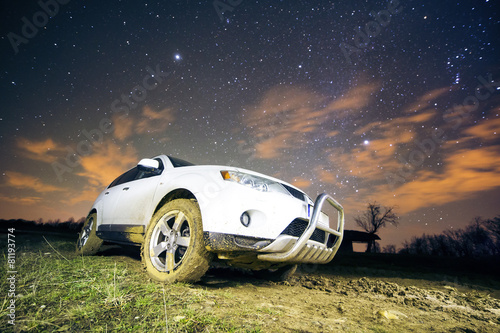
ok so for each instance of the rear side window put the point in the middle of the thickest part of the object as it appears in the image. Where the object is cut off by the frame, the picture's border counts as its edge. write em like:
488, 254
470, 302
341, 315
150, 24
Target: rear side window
126, 177
137, 173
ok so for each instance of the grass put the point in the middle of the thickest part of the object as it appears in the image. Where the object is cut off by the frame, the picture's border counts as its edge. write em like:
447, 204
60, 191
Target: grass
58, 291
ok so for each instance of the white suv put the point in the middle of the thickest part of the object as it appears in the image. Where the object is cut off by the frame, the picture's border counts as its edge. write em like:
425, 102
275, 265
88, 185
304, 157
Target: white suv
184, 216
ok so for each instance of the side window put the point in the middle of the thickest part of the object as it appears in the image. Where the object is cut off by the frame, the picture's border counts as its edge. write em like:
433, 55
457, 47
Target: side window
126, 177
137, 173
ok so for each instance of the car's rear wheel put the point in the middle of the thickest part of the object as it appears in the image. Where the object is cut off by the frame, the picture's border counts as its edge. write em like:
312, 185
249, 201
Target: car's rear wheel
173, 248
282, 273
88, 243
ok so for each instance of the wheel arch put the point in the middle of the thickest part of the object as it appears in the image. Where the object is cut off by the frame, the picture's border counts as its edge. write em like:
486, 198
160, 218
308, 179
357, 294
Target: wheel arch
186, 266
180, 193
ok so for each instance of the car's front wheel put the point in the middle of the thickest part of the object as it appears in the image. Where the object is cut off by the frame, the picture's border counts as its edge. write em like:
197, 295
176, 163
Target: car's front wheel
173, 248
88, 243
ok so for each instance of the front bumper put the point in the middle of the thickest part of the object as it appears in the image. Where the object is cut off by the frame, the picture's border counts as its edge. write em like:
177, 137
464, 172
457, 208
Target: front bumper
303, 241
306, 250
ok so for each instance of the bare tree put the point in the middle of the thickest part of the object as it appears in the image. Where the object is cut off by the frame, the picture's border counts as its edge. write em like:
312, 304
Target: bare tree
493, 225
373, 219
389, 249
481, 238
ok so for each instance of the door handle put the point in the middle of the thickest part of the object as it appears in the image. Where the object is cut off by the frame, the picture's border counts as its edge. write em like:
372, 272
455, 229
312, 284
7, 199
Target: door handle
106, 193
126, 188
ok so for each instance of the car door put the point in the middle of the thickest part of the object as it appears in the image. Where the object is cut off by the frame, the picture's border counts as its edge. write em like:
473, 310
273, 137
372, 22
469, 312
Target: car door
113, 193
135, 197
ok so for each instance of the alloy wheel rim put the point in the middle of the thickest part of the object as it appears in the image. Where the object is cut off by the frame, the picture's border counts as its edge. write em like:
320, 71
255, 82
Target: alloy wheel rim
170, 241
86, 233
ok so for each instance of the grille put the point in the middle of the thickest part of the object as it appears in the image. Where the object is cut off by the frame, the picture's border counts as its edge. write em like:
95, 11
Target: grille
332, 240
297, 228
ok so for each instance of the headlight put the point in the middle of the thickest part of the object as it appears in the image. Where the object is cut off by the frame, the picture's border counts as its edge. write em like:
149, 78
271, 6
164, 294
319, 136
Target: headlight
255, 182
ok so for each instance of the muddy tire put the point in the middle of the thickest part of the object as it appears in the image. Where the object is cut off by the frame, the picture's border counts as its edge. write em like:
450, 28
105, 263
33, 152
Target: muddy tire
278, 274
173, 249
88, 243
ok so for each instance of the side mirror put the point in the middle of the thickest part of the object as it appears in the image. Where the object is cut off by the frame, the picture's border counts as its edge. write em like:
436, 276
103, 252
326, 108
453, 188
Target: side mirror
148, 164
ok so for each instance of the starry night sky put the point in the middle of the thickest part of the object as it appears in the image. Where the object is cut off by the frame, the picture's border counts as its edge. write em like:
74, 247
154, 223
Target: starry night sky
395, 102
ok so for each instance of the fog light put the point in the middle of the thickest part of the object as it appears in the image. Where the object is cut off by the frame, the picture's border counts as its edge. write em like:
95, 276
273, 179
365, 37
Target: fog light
245, 219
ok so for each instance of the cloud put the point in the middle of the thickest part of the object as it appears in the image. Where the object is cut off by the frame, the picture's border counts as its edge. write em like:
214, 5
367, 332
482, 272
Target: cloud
423, 102
149, 122
331, 134
21, 181
154, 121
366, 163
487, 130
466, 173
326, 176
107, 159
289, 117
45, 151
123, 127
272, 147
87, 194
373, 160
355, 99
107, 162
29, 200
301, 183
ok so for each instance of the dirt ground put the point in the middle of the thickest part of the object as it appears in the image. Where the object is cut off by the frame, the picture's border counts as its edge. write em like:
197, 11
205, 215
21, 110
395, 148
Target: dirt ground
359, 293
326, 299
354, 293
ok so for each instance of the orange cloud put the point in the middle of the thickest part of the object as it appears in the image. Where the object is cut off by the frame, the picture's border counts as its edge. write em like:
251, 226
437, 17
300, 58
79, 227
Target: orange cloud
107, 162
488, 130
366, 162
416, 118
301, 183
356, 98
286, 117
21, 200
272, 147
123, 126
424, 101
466, 173
332, 134
373, 160
325, 176
154, 121
45, 151
88, 194
22, 181
149, 122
